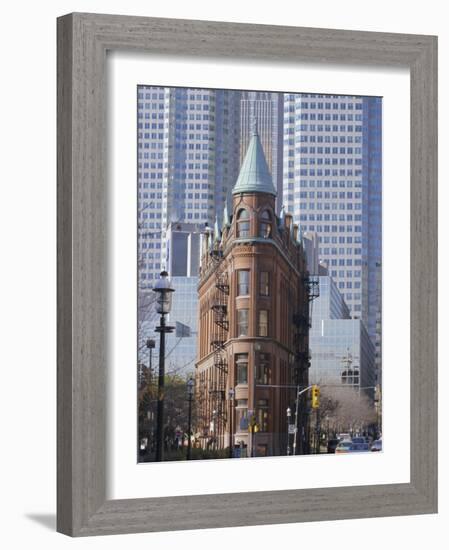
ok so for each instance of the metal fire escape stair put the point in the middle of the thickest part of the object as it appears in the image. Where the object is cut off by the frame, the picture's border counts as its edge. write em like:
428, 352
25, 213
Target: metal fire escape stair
219, 308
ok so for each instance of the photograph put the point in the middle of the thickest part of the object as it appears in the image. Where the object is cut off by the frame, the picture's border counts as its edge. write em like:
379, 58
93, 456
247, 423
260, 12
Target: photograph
259, 269
233, 284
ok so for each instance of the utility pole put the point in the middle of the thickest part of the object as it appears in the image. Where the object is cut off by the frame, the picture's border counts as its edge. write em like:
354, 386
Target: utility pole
295, 435
298, 395
318, 432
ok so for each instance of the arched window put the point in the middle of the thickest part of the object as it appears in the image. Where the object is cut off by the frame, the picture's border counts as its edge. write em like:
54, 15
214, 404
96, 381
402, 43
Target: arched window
265, 224
243, 223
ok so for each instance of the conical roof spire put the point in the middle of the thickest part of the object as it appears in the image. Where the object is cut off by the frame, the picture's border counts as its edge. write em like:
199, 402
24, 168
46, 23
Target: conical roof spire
254, 174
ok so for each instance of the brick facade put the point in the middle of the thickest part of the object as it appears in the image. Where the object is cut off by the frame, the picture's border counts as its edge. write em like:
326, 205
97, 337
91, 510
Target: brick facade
253, 330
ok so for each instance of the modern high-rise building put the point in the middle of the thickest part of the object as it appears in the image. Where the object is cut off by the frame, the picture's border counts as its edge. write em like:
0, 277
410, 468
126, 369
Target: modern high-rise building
311, 249
183, 242
342, 353
181, 344
253, 322
183, 257
188, 160
266, 110
332, 186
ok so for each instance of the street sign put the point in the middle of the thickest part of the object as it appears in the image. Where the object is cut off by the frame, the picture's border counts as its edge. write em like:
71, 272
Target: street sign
292, 429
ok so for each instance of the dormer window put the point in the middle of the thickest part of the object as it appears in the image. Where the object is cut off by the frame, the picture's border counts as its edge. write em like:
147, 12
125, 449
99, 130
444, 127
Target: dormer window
265, 225
243, 223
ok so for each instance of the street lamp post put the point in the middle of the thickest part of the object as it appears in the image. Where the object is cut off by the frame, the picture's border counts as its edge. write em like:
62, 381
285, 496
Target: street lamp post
289, 414
151, 344
164, 292
190, 385
231, 394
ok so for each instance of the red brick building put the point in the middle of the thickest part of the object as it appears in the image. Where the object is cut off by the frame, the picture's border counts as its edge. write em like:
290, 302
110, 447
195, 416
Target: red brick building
253, 325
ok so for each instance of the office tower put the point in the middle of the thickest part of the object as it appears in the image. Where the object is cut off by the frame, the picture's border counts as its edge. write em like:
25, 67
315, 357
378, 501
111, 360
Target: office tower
267, 110
188, 160
181, 344
183, 257
253, 349
311, 249
332, 185
341, 351
183, 241
183, 248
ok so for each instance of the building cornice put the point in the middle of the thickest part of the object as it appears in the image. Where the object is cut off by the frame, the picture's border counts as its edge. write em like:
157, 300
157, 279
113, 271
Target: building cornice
244, 340
250, 241
260, 240
258, 340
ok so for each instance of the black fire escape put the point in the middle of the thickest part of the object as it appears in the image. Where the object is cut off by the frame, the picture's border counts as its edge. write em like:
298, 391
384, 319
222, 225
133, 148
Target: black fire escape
302, 322
217, 388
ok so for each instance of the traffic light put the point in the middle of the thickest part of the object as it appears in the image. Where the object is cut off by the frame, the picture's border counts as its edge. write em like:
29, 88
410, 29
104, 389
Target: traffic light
315, 396
253, 425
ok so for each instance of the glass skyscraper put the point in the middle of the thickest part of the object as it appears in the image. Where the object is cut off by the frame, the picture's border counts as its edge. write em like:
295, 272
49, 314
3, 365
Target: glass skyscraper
266, 109
181, 345
341, 351
329, 148
332, 185
183, 251
188, 161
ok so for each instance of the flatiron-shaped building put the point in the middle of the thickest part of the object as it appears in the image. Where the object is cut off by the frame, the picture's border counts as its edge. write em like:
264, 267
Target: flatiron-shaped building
253, 322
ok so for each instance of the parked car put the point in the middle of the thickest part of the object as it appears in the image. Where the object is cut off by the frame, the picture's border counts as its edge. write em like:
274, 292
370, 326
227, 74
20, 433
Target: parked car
359, 439
377, 445
332, 445
359, 447
343, 447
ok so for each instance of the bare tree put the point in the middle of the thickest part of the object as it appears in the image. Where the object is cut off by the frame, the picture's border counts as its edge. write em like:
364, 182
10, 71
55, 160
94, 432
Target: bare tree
176, 412
346, 409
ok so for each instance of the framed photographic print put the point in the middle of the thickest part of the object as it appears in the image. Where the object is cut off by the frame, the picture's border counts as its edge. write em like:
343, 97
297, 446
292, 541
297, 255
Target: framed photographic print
247, 274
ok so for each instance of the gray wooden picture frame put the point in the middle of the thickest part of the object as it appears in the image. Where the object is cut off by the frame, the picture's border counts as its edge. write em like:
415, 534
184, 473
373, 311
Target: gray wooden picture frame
83, 40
